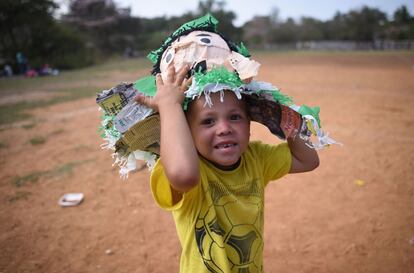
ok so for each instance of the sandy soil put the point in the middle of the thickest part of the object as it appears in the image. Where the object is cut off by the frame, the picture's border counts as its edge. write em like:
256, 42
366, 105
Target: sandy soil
324, 221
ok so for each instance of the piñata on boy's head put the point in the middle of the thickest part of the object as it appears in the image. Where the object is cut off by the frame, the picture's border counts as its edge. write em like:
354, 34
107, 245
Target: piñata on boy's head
217, 64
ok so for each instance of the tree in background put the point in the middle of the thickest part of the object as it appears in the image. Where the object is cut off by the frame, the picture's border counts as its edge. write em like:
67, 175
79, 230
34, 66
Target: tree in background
22, 24
402, 27
336, 28
311, 29
257, 32
111, 29
226, 18
365, 24
94, 28
402, 16
285, 32
98, 20
29, 27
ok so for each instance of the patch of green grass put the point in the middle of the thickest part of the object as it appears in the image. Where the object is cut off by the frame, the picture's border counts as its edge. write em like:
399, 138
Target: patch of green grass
12, 113
20, 195
57, 132
62, 170
29, 125
81, 77
37, 140
19, 181
83, 147
65, 169
293, 52
122, 64
3, 145
68, 86
16, 112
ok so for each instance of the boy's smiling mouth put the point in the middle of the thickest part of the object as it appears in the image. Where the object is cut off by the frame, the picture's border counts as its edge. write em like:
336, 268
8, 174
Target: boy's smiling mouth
225, 145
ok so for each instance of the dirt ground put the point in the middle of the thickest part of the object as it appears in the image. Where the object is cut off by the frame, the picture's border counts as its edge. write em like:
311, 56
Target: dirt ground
355, 213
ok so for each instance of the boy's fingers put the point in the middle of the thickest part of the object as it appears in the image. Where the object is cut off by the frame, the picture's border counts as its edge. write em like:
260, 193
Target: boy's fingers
170, 74
158, 80
181, 75
186, 83
142, 99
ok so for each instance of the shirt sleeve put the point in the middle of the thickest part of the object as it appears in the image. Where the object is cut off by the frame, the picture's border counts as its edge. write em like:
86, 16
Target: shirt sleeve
276, 160
161, 188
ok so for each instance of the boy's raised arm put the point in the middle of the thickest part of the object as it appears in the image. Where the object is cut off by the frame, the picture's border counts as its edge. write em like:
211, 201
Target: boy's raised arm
178, 153
304, 158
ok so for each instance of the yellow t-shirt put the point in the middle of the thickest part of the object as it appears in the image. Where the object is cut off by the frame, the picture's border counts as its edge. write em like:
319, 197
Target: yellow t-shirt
220, 221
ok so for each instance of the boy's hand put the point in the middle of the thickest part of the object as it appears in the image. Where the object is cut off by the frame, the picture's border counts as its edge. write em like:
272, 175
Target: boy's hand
170, 91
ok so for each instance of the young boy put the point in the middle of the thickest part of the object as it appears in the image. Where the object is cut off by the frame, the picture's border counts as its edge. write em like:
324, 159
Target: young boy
212, 178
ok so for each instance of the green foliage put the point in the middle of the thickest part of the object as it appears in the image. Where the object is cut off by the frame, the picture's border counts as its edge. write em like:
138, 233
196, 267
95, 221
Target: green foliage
65, 169
29, 27
226, 18
57, 132
29, 125
11, 113
285, 32
103, 23
67, 48
68, 86
21, 23
92, 30
15, 112
114, 30
33, 177
19, 196
37, 140
364, 24
311, 29
403, 25
3, 145
402, 16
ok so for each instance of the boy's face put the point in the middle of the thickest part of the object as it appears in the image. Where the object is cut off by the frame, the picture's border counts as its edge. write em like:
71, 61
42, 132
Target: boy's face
221, 133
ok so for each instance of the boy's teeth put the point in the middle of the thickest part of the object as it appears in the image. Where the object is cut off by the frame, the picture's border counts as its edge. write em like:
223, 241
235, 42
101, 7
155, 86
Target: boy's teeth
225, 145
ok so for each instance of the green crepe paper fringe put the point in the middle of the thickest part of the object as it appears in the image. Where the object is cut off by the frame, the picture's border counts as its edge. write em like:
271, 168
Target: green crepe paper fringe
205, 22
312, 111
108, 128
281, 98
242, 49
221, 75
278, 96
217, 75
185, 103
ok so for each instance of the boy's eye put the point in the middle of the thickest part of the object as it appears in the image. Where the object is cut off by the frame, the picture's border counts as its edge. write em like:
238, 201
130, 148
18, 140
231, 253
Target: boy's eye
235, 117
207, 121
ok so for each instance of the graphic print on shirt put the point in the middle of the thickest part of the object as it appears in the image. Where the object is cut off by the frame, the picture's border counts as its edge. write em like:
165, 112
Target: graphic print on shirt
228, 228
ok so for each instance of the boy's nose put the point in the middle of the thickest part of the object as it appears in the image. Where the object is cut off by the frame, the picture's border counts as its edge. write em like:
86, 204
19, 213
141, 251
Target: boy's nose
224, 128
